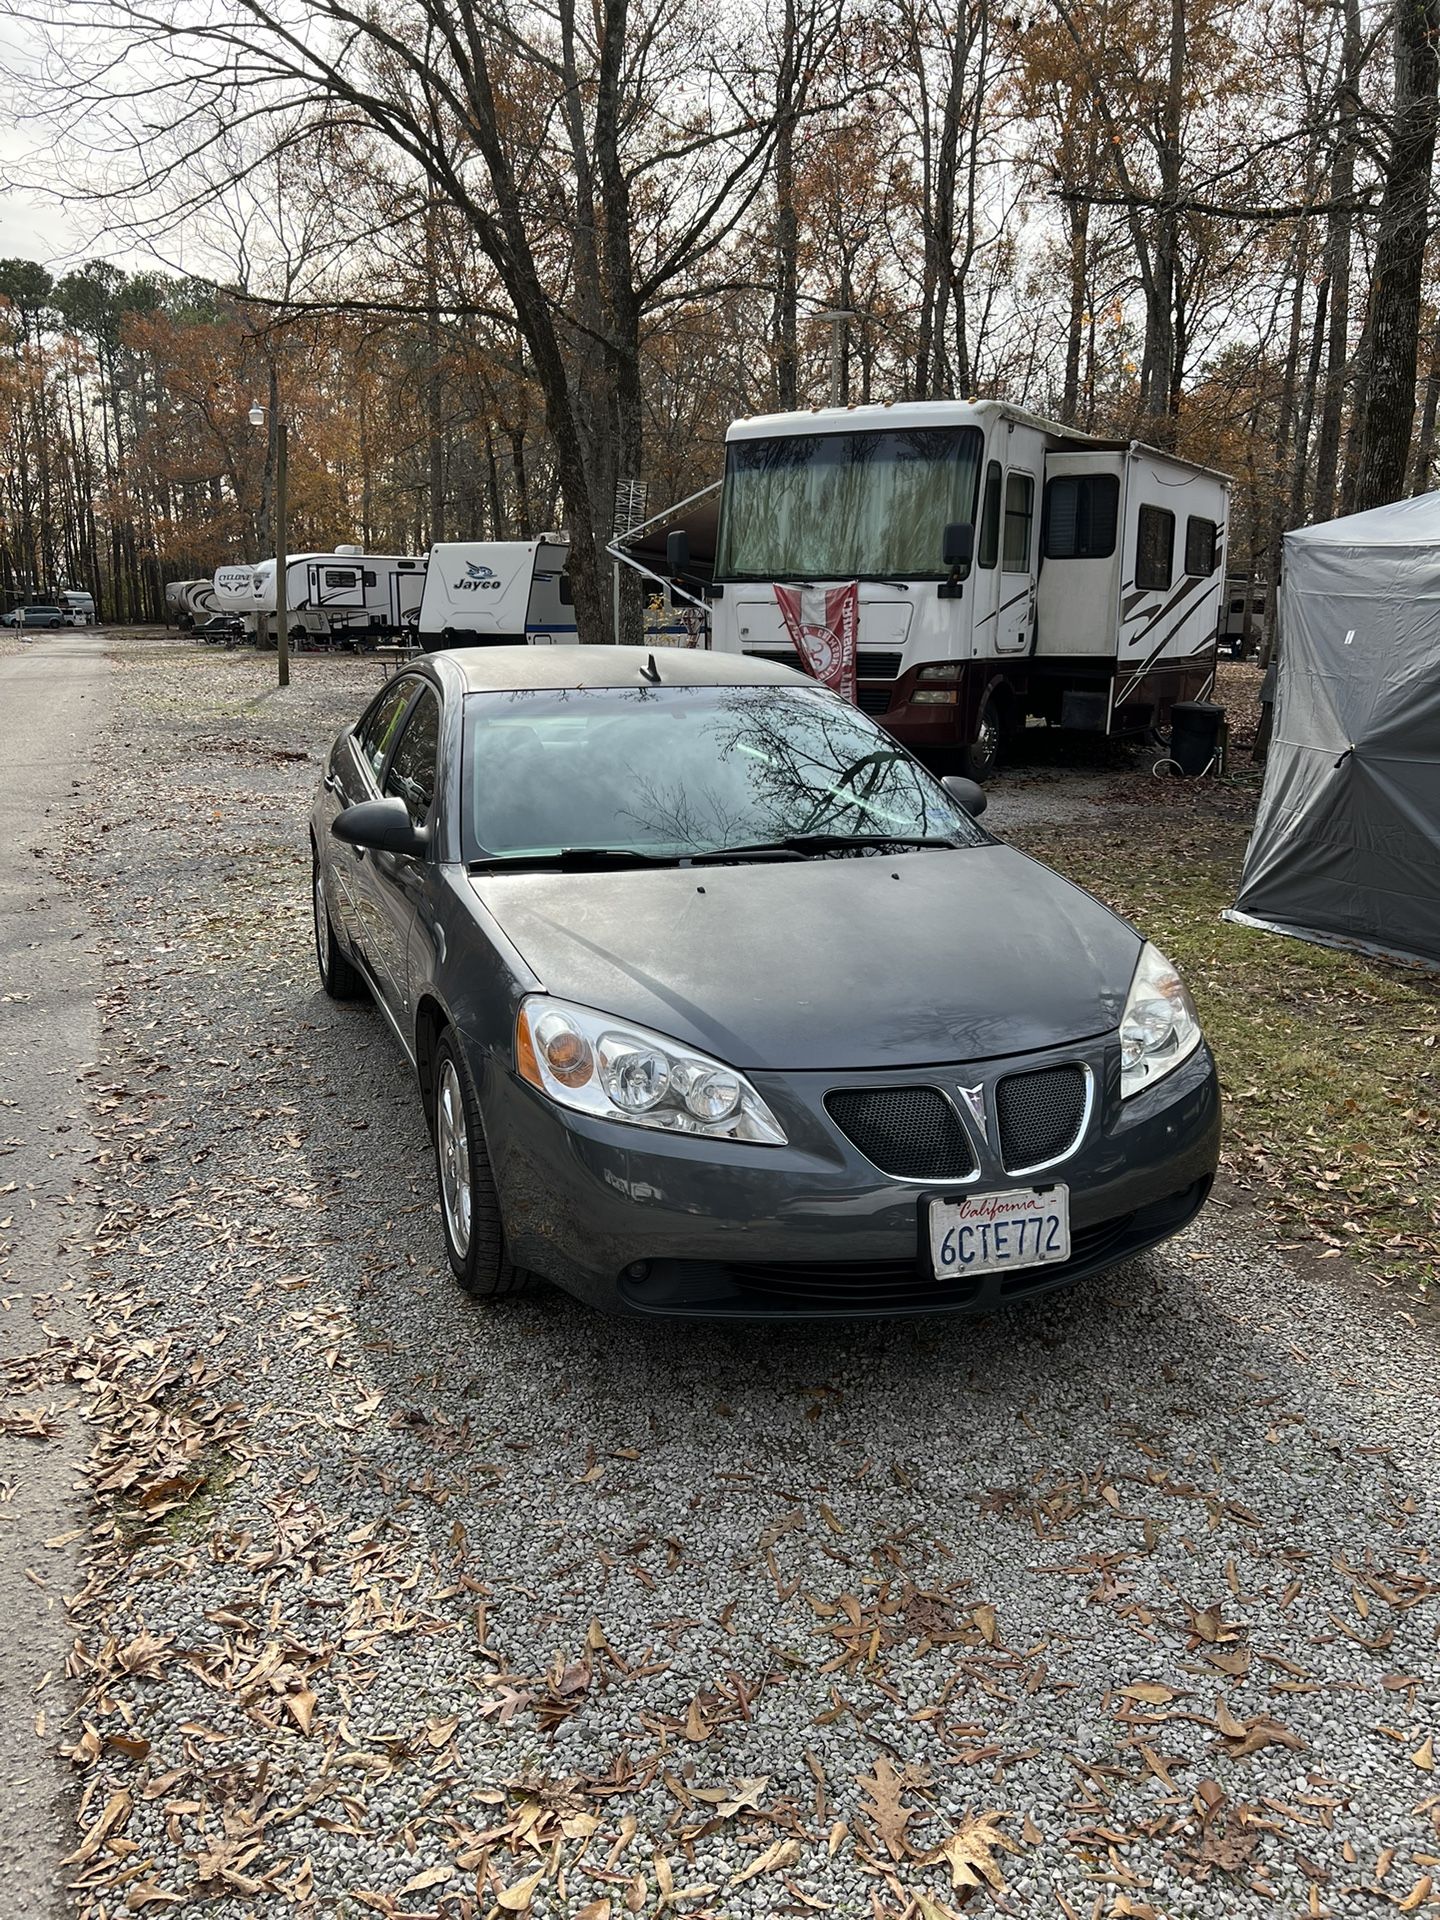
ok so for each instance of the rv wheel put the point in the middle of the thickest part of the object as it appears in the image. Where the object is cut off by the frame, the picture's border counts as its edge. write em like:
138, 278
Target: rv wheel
978, 760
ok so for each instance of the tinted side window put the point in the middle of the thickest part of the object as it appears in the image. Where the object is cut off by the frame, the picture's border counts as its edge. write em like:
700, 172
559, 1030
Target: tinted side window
1019, 512
1081, 512
1154, 547
377, 730
990, 518
412, 765
1199, 545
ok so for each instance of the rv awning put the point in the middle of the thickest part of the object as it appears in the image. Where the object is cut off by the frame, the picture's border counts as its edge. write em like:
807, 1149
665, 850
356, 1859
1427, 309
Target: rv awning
698, 517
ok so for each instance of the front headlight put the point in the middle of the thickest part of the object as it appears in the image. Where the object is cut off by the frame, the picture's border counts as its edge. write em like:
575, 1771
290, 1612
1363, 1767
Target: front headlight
593, 1064
1160, 1028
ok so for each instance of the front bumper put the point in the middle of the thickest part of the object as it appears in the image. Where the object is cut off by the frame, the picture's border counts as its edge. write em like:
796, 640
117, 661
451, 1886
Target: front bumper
642, 1222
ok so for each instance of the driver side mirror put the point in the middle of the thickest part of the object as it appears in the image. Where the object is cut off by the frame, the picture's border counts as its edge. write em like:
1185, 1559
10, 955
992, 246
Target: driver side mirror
677, 553
968, 795
381, 825
958, 547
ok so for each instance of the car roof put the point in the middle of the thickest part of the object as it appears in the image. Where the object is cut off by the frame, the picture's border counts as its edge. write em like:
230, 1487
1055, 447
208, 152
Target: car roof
520, 669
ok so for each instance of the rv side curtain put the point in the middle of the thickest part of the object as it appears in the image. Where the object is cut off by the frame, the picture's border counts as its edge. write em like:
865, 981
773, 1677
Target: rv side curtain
1347, 837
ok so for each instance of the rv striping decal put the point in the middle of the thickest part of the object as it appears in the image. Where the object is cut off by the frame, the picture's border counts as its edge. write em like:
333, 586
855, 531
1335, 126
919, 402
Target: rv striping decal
1180, 595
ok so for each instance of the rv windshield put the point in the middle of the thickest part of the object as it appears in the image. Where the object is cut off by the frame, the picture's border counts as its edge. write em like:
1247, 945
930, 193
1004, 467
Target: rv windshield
846, 506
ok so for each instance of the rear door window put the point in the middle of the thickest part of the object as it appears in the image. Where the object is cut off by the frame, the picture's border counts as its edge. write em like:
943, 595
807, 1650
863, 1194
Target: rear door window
377, 731
411, 773
989, 551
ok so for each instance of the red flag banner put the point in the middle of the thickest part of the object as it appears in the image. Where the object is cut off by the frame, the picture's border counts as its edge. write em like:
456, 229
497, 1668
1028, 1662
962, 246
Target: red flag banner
823, 624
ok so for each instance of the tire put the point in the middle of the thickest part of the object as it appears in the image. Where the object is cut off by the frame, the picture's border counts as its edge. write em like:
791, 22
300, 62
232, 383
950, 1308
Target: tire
339, 977
469, 1205
979, 759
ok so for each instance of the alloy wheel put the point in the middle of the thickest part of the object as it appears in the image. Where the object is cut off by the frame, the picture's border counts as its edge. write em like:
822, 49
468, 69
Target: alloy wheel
452, 1150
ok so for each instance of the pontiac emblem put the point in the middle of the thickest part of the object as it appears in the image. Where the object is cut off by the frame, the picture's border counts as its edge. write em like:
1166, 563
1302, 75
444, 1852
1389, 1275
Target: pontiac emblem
974, 1098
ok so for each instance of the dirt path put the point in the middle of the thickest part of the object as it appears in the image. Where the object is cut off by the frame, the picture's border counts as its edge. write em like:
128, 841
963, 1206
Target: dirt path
54, 704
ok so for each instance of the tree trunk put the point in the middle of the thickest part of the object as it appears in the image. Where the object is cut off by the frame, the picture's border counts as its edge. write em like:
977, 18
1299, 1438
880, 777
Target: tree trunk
1425, 446
787, 229
1337, 265
1400, 258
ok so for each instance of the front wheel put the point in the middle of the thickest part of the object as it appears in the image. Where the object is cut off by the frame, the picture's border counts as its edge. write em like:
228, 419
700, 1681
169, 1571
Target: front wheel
469, 1204
979, 759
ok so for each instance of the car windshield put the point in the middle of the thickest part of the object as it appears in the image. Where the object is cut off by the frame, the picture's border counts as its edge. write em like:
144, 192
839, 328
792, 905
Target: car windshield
676, 772
845, 506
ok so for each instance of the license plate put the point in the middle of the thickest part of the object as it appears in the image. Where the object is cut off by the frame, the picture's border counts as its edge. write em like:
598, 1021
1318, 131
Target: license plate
1000, 1232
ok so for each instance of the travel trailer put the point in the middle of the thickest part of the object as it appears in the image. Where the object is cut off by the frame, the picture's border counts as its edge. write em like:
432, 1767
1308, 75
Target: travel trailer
348, 597
1008, 568
488, 592
77, 606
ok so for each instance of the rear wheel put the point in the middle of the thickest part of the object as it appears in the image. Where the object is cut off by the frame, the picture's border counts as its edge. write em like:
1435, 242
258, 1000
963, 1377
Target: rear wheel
469, 1204
339, 978
980, 758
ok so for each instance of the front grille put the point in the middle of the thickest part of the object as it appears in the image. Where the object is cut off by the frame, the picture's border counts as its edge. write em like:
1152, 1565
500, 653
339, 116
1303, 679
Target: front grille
871, 663
1040, 1115
873, 699
910, 1131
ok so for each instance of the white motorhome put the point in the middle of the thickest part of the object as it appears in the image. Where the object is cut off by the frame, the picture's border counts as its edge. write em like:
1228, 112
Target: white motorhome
349, 596
488, 592
1008, 567
1242, 629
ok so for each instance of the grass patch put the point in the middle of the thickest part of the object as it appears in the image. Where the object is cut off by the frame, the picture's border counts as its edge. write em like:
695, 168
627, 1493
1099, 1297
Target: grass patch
1330, 1063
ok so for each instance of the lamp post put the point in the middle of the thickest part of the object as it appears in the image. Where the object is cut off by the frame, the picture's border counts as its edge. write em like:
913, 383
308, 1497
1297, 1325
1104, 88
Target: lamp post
279, 506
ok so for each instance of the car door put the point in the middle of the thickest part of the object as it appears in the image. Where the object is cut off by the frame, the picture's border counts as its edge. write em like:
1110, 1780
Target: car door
356, 769
399, 882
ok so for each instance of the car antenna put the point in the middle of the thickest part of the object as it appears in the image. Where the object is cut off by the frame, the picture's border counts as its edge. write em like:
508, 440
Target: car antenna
651, 672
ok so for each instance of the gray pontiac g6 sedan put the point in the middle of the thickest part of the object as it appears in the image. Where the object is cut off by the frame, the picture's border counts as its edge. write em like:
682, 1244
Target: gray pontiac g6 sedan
720, 1004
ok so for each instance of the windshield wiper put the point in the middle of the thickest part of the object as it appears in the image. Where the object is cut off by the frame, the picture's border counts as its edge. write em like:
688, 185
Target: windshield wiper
799, 845
572, 857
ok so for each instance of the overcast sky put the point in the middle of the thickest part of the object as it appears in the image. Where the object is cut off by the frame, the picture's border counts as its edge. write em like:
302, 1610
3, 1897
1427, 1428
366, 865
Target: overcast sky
29, 226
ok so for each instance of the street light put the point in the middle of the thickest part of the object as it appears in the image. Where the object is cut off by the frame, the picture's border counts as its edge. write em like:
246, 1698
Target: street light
279, 506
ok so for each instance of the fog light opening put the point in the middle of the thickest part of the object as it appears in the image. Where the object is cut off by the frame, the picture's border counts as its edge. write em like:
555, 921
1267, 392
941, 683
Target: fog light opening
638, 1270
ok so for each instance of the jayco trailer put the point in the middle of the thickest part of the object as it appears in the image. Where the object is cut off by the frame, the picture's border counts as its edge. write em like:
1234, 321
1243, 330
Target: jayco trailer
487, 592
1008, 568
348, 596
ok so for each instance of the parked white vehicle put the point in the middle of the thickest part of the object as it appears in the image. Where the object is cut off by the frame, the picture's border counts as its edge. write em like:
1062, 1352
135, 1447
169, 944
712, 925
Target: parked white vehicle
76, 606
1008, 567
489, 592
349, 595
1240, 636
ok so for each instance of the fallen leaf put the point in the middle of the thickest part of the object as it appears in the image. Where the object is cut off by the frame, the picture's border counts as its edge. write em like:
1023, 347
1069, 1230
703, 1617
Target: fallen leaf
1424, 1755
970, 1851
517, 1898
782, 1853
432, 1877
885, 1809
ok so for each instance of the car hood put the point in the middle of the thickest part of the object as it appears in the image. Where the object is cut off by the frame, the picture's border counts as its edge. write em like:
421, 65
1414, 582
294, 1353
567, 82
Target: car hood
883, 961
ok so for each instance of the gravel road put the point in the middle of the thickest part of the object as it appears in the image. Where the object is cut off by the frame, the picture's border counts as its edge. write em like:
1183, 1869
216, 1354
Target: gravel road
1123, 1603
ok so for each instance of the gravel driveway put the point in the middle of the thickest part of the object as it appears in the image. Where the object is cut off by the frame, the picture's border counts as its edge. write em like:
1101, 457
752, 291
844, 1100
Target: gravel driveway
1122, 1603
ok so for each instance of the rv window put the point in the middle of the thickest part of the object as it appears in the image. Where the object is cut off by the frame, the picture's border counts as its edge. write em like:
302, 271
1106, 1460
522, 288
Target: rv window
1081, 511
1154, 548
567, 599
1199, 546
339, 577
369, 576
1019, 512
412, 765
990, 520
1237, 606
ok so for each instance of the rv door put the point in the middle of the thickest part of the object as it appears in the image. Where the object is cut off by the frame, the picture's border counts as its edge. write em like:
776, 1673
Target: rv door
331, 585
1015, 620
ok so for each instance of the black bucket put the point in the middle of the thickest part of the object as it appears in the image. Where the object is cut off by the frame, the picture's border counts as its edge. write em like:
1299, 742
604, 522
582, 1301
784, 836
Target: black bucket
1196, 729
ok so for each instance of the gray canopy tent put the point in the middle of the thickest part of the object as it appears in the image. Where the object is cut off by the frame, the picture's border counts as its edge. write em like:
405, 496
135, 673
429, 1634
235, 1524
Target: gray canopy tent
1346, 847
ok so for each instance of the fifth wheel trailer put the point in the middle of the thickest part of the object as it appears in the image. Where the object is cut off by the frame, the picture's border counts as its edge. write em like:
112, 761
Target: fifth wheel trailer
349, 596
1090, 598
